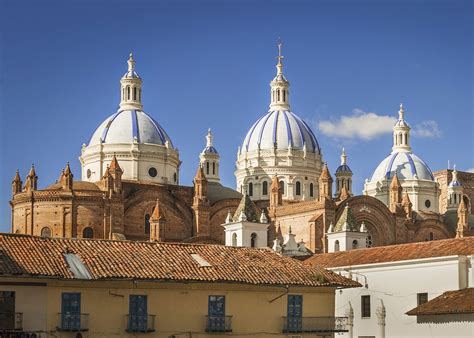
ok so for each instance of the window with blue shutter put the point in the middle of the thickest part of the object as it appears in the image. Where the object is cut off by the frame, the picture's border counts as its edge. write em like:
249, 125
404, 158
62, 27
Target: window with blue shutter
138, 314
216, 314
71, 311
295, 313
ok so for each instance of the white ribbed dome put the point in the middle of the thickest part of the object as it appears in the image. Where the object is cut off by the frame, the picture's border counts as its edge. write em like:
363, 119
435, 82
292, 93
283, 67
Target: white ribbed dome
407, 166
128, 126
281, 128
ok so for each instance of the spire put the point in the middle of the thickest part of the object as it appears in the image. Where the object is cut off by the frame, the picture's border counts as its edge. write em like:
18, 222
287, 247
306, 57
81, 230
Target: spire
343, 157
114, 165
131, 63
66, 178
401, 113
131, 87
395, 184
280, 57
31, 180
279, 86
347, 221
401, 133
157, 213
454, 181
209, 138
247, 210
16, 183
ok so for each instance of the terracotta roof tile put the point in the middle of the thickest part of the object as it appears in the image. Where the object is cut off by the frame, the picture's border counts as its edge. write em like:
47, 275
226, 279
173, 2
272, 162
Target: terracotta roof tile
450, 302
108, 259
393, 253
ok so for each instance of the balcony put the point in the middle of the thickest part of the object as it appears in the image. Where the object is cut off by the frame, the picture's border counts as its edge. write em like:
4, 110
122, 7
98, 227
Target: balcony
314, 324
11, 321
140, 323
73, 322
218, 323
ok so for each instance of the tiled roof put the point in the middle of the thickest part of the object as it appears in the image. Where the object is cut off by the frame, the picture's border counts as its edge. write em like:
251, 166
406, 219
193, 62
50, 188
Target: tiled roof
393, 253
450, 302
108, 259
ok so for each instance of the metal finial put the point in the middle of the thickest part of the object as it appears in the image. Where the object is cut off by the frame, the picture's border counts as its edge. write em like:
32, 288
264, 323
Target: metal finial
280, 44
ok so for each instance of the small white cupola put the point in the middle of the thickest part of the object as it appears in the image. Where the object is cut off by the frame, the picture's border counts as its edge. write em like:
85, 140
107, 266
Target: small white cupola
131, 87
401, 133
346, 234
247, 227
455, 192
209, 159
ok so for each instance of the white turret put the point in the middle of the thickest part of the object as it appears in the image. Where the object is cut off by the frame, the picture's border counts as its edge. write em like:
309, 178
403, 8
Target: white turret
401, 133
455, 192
209, 159
131, 87
279, 86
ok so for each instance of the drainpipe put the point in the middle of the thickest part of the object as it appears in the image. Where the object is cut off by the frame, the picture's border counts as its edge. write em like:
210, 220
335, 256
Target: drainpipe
381, 320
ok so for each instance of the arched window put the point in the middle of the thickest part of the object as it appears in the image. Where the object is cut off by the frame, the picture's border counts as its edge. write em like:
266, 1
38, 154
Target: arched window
282, 187
147, 224
278, 94
234, 239
406, 138
207, 168
250, 189
253, 240
46, 232
354, 244
134, 93
213, 168
88, 233
311, 190
399, 139
431, 236
336, 246
128, 93
284, 95
175, 177
139, 94
265, 188
298, 188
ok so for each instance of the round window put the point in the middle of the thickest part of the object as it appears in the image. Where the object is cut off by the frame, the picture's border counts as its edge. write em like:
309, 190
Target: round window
89, 173
427, 203
152, 172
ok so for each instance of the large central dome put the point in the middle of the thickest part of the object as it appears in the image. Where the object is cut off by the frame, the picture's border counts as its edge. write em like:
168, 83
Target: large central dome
128, 126
280, 129
279, 143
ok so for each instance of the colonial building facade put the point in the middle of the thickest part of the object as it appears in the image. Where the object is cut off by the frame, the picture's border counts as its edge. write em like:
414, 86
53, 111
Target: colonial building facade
129, 187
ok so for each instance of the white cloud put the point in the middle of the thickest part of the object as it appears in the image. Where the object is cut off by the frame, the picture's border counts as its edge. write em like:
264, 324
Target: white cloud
470, 170
428, 129
368, 125
363, 125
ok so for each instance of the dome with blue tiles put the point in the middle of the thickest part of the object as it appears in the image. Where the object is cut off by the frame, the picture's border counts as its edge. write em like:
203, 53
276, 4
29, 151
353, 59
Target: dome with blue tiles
209, 149
280, 129
406, 165
343, 168
129, 126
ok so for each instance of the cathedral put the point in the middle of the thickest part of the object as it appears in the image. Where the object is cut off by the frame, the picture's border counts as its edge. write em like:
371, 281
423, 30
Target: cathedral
285, 195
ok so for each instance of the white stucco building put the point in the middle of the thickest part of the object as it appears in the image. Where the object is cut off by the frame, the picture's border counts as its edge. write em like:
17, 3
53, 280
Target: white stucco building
397, 279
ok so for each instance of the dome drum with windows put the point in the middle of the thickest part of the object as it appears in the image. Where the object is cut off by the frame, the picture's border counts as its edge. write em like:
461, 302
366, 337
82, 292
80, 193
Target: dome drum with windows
144, 149
280, 143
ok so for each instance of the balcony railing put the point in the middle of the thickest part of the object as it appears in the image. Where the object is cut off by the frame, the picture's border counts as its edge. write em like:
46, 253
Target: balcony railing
314, 324
142, 323
218, 323
11, 321
73, 322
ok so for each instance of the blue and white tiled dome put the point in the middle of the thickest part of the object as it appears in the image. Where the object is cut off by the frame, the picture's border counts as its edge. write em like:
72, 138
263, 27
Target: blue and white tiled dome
407, 166
343, 168
128, 126
210, 150
280, 128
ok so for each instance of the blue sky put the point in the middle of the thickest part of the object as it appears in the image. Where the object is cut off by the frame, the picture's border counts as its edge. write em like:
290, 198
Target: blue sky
209, 63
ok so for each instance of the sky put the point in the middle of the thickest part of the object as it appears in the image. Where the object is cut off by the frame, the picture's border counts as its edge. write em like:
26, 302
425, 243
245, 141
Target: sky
208, 64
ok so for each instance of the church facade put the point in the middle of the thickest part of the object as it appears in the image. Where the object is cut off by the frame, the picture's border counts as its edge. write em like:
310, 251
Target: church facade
129, 187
